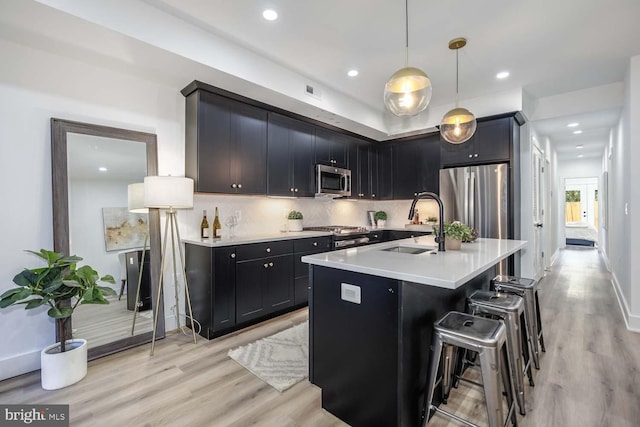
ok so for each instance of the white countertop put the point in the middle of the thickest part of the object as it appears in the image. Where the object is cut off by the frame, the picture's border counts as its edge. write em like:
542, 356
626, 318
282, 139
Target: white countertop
449, 269
255, 238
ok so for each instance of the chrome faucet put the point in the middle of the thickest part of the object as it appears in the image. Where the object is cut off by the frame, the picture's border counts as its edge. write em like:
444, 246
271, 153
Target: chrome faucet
428, 195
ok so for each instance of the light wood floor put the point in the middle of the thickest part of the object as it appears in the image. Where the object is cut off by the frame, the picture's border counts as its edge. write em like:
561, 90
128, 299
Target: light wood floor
590, 373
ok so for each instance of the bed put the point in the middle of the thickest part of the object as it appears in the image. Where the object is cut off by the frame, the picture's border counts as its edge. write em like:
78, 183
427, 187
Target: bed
581, 234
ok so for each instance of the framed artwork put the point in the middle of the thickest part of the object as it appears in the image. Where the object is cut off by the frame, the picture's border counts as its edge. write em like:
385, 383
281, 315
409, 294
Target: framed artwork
123, 229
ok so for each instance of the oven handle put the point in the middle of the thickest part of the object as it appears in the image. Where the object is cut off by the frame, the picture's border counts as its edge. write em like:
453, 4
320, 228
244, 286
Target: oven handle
351, 242
344, 179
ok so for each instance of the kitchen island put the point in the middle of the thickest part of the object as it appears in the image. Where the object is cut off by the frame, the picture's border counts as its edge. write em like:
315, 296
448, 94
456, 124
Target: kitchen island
371, 313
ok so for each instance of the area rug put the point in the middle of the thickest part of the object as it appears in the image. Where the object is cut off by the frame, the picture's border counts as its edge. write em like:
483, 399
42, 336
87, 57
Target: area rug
280, 360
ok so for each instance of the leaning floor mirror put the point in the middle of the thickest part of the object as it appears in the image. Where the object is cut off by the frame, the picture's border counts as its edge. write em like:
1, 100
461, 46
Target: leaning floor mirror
92, 169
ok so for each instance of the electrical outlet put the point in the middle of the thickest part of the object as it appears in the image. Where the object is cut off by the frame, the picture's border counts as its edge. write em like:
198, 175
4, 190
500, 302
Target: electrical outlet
238, 215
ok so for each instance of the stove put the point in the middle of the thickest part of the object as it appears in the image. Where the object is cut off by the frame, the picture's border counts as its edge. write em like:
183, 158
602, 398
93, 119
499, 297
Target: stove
345, 236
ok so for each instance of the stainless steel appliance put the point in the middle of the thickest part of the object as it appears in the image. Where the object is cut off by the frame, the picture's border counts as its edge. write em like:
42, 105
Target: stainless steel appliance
479, 197
332, 181
345, 236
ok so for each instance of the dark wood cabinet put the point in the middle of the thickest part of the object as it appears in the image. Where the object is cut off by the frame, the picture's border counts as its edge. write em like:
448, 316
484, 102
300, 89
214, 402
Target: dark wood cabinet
290, 157
212, 285
301, 248
331, 148
491, 143
226, 145
360, 166
416, 166
132, 260
382, 171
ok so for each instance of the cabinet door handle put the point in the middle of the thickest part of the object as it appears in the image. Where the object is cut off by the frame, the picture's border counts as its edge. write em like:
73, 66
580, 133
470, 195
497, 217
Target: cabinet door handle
475, 155
233, 186
375, 236
265, 265
296, 190
373, 195
239, 185
233, 255
268, 249
470, 155
291, 189
270, 264
315, 243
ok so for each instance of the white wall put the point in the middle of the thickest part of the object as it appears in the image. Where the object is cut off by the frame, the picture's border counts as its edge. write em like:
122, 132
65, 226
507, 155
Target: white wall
34, 87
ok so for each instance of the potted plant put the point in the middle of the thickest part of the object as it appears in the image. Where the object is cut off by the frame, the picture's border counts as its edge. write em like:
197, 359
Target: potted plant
432, 220
455, 233
295, 221
61, 286
381, 218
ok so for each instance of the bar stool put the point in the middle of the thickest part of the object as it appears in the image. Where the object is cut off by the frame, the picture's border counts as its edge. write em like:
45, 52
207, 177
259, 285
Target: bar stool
488, 338
527, 289
509, 309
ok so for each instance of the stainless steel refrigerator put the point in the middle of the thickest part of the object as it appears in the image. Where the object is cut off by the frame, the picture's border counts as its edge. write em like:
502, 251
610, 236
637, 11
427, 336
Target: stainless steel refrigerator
479, 197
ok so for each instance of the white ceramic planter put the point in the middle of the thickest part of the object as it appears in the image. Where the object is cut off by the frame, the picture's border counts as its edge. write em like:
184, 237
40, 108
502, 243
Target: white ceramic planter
381, 223
60, 370
295, 224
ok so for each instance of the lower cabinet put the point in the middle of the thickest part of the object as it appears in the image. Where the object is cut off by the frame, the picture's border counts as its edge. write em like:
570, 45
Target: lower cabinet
234, 286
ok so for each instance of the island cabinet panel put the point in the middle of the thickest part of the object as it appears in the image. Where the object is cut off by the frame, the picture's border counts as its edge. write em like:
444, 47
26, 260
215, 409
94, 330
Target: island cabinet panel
226, 145
331, 148
416, 166
371, 358
212, 284
361, 340
491, 143
290, 157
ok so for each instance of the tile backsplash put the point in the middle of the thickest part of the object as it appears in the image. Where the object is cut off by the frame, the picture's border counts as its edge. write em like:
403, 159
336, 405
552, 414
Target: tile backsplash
263, 215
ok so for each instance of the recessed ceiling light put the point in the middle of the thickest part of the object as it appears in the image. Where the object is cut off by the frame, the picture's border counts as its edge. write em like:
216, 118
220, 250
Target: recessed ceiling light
270, 15
102, 169
577, 132
352, 73
580, 156
573, 125
502, 75
579, 146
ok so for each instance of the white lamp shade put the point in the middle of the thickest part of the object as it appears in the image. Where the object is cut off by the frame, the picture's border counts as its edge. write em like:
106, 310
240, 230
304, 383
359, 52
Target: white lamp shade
136, 198
168, 192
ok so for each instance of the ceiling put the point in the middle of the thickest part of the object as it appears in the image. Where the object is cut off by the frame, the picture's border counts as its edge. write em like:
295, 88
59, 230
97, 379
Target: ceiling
549, 48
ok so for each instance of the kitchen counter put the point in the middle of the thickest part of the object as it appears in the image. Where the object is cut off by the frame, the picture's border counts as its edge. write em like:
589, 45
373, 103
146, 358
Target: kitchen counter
371, 316
255, 238
449, 269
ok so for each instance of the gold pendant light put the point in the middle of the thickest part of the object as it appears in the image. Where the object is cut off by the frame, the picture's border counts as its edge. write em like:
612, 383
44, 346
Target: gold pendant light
459, 124
408, 90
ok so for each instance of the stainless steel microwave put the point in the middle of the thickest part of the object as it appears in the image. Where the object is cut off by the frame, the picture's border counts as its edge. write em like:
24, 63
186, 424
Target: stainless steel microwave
332, 181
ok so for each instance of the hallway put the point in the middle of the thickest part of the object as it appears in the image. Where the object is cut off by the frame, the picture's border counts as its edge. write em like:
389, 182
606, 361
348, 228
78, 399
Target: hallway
590, 374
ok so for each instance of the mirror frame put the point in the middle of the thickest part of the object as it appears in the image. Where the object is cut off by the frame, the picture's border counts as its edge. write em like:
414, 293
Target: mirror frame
59, 130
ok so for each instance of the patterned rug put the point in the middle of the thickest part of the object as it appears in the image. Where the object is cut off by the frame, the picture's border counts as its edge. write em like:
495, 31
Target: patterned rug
280, 360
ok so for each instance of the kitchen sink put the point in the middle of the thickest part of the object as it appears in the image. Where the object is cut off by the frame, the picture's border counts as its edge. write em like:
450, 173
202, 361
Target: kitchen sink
407, 250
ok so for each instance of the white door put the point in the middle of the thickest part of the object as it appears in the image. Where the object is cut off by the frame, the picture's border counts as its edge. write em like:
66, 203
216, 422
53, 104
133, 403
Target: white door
538, 184
582, 192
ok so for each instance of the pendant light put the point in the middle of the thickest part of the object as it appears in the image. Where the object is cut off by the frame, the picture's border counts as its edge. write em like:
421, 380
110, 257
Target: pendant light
408, 90
459, 124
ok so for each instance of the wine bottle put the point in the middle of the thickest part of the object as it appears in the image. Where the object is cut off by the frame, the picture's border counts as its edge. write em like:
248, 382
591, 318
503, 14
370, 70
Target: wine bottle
216, 225
204, 226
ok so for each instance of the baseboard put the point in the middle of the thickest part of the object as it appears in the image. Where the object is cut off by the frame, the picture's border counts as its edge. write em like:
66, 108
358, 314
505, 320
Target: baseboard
19, 364
632, 322
605, 258
554, 257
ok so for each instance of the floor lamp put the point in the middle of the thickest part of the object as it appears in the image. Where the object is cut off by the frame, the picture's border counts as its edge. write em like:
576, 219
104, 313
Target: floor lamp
171, 193
136, 205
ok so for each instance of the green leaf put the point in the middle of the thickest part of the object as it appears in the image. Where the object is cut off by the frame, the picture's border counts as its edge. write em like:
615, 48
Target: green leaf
10, 292
25, 278
6, 302
24, 293
107, 291
88, 296
60, 313
34, 303
53, 286
108, 278
72, 283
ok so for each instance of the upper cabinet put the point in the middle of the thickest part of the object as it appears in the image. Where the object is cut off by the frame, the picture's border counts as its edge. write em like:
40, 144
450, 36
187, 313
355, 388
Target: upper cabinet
290, 157
490, 144
331, 148
416, 166
226, 145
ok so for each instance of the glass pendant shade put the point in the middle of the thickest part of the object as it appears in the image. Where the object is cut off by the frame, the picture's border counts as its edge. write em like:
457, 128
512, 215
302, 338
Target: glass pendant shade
407, 92
458, 126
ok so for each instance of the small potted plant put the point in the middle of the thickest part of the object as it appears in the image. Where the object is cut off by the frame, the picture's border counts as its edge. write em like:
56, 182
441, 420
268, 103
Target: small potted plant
381, 218
432, 220
295, 220
455, 233
61, 286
